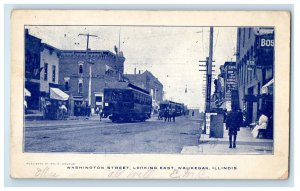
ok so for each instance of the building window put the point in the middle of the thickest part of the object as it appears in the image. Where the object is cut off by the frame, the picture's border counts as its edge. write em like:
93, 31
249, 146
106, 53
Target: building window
67, 83
244, 72
248, 75
67, 87
45, 71
244, 31
240, 74
80, 87
80, 71
53, 73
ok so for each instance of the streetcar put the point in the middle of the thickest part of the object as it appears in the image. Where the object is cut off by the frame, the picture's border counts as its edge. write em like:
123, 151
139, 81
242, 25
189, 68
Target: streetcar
178, 107
127, 104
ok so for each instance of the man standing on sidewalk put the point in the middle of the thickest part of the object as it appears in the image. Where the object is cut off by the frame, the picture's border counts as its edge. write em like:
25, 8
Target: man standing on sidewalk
233, 123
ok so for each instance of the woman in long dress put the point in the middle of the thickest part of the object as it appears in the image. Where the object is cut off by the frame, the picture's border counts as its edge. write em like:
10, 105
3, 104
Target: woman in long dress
262, 124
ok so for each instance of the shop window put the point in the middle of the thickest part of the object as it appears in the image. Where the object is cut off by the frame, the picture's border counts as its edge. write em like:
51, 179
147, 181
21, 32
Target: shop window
45, 71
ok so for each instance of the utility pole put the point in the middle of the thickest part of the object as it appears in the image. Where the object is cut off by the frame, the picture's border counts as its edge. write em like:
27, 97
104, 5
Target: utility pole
208, 73
90, 65
209, 69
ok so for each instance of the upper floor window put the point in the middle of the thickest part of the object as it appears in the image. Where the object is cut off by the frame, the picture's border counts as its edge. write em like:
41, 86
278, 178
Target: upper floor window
80, 70
53, 73
67, 86
45, 71
80, 86
67, 83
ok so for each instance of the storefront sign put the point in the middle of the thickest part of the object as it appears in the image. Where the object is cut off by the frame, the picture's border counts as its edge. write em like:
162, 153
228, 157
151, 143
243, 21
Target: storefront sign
230, 82
264, 55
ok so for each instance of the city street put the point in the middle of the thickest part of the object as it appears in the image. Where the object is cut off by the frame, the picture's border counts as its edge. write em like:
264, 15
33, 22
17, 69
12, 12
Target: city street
93, 136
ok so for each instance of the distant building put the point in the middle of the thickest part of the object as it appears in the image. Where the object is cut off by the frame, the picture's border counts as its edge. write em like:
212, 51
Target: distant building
106, 68
254, 64
149, 82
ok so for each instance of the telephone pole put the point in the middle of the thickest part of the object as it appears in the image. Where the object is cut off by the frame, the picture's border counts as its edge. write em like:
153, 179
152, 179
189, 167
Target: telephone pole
90, 64
209, 69
208, 75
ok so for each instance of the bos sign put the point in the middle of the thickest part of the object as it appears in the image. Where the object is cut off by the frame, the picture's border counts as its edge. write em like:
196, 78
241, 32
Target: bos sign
266, 42
264, 54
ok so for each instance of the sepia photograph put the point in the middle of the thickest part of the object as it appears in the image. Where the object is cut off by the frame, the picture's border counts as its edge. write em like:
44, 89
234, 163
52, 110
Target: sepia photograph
150, 94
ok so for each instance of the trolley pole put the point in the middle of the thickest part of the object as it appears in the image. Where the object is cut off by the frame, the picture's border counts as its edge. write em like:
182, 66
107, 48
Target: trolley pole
90, 65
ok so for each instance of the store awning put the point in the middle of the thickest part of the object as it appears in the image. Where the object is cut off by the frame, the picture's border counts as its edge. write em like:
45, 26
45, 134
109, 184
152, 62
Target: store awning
56, 93
267, 88
26, 92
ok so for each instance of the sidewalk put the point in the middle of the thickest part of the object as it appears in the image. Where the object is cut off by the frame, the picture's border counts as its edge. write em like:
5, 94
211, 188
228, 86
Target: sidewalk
33, 115
246, 144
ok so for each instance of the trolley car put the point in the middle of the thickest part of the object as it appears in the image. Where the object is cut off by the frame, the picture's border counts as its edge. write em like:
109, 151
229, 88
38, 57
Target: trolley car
178, 107
127, 104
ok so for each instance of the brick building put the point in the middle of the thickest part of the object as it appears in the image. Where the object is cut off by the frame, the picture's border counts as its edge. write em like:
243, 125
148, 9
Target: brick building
74, 73
254, 64
33, 48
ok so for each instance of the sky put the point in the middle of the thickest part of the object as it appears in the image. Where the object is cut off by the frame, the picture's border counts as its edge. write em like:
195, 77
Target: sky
171, 54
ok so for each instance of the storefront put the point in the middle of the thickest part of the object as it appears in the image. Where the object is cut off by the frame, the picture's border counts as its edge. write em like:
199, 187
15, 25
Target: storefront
51, 106
80, 106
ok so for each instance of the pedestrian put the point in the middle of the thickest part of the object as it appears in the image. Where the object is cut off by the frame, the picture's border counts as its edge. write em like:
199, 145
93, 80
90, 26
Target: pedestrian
97, 110
169, 115
173, 114
158, 116
193, 113
224, 117
262, 124
89, 110
63, 110
100, 113
166, 114
233, 123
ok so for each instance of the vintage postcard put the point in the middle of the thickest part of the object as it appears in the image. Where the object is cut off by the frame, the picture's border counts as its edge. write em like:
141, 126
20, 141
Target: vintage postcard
150, 94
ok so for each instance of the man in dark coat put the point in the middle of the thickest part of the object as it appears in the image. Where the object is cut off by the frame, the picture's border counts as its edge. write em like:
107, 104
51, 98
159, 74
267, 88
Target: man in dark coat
233, 123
